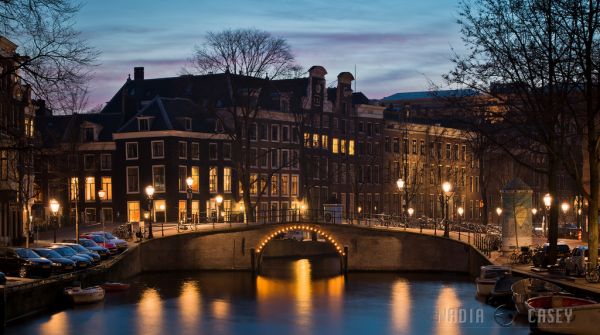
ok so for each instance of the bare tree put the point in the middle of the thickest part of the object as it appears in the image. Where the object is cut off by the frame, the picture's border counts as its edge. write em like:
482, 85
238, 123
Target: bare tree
518, 44
53, 55
251, 52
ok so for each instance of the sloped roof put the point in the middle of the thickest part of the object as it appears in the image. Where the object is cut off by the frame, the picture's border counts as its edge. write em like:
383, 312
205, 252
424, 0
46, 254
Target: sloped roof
430, 94
65, 128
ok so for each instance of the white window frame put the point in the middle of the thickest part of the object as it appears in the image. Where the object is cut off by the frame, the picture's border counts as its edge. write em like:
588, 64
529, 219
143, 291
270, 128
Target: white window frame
164, 179
137, 151
213, 145
127, 179
152, 149
104, 155
179, 150
195, 144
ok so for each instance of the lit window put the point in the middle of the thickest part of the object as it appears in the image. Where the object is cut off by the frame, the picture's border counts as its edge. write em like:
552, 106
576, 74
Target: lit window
107, 188
212, 179
90, 189
227, 180
74, 188
334, 145
351, 147
133, 211
196, 178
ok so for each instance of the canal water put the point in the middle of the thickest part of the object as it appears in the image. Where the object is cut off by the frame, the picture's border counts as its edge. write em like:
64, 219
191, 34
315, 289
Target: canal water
291, 297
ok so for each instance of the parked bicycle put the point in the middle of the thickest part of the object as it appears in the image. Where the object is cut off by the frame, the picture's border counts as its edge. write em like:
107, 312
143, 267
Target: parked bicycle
592, 275
123, 231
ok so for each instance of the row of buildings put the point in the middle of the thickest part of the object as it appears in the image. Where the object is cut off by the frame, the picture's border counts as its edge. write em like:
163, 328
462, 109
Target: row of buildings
262, 146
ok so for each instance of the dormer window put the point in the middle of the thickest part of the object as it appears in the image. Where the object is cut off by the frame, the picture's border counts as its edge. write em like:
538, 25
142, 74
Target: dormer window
188, 123
88, 134
144, 124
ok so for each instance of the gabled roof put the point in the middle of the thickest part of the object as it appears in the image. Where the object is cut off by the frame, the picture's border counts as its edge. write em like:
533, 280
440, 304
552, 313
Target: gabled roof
430, 95
170, 114
66, 128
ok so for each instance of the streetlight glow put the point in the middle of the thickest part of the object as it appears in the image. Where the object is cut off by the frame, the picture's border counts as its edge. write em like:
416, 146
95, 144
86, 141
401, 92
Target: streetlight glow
446, 187
499, 211
410, 211
460, 211
150, 191
400, 183
189, 181
54, 206
219, 199
534, 211
101, 194
565, 207
547, 200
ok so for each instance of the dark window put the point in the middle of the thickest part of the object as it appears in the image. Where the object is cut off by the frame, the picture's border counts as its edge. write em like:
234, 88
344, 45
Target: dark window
212, 151
343, 126
89, 162
414, 147
105, 162
262, 132
131, 150
369, 129
252, 132
274, 133
396, 145
422, 148
195, 150
88, 134
387, 145
144, 124
226, 151
360, 127
285, 133
183, 150
188, 124
158, 149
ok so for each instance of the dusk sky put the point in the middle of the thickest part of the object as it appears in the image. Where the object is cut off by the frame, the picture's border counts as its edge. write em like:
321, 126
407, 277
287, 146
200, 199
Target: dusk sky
396, 45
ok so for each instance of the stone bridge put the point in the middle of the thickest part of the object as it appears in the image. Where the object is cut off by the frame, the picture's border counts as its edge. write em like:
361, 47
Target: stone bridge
360, 249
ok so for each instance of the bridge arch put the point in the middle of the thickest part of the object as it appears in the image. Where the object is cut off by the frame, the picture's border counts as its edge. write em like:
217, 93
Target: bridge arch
302, 227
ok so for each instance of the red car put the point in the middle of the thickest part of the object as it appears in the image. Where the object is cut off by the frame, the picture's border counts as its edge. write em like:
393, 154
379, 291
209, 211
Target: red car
112, 248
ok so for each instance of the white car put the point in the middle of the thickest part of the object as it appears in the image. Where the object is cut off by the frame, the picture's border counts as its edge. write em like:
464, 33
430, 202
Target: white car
576, 263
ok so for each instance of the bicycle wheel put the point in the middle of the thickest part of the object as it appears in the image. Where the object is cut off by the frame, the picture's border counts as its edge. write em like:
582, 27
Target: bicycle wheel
592, 276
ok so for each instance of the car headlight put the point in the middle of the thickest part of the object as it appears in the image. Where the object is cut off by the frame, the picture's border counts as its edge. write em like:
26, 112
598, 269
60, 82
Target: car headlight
56, 264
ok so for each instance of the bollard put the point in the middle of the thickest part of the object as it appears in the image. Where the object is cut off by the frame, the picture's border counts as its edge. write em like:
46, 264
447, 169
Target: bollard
459, 233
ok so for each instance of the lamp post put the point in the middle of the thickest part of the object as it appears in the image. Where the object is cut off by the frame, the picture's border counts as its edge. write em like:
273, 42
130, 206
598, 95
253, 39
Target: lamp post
54, 207
150, 193
446, 187
359, 209
547, 204
499, 212
188, 205
162, 224
565, 208
219, 200
102, 196
400, 183
410, 212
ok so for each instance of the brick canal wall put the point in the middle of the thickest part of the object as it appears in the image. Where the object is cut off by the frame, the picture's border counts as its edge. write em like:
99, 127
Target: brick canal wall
368, 250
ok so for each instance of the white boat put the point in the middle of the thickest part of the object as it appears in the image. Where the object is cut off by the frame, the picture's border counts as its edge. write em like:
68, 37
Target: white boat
528, 288
563, 315
85, 295
488, 275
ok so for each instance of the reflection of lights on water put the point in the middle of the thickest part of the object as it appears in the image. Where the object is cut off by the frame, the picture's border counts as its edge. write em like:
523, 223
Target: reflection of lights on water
303, 305
220, 309
299, 291
58, 324
400, 306
190, 304
447, 301
149, 318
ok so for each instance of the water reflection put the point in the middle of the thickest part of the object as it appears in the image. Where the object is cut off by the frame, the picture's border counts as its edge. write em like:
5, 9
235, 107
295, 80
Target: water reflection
190, 304
57, 325
401, 306
447, 309
149, 313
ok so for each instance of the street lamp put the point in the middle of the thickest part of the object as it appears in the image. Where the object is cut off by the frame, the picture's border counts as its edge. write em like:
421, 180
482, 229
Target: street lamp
547, 204
446, 187
219, 200
102, 196
460, 211
565, 208
162, 208
410, 212
400, 183
188, 206
54, 207
150, 193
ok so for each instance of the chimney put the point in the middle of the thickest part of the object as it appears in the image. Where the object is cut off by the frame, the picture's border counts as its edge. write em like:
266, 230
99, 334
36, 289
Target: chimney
344, 91
138, 73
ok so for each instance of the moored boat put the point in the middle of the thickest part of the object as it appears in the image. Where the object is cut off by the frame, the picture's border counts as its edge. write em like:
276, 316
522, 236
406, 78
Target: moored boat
85, 295
502, 292
113, 287
563, 315
528, 288
488, 276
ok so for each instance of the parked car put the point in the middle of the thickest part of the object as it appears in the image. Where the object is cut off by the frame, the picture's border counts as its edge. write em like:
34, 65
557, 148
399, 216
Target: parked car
81, 262
80, 250
112, 248
540, 257
24, 262
60, 264
119, 243
93, 246
576, 263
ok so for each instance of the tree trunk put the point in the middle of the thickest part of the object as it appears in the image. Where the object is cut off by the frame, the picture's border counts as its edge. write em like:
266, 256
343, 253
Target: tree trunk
553, 221
594, 192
